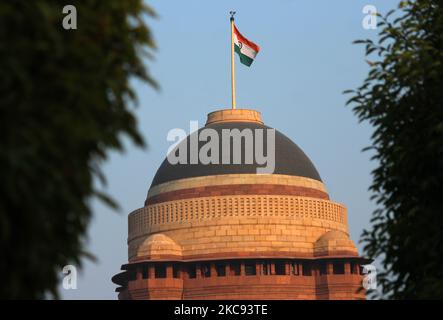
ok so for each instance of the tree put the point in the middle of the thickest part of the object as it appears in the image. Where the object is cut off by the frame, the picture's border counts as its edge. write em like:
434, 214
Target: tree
65, 100
402, 97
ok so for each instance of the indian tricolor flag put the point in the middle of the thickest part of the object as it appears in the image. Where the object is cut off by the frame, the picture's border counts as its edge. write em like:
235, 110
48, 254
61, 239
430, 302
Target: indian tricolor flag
246, 49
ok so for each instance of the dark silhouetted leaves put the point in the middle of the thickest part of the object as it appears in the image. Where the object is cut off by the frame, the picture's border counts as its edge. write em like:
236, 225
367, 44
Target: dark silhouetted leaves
403, 99
64, 102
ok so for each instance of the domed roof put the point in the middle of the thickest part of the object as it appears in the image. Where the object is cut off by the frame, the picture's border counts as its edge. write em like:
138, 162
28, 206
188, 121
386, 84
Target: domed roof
332, 236
334, 241
158, 244
289, 158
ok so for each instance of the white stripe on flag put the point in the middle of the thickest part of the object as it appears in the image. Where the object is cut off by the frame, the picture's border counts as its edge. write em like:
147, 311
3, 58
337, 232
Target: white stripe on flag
244, 49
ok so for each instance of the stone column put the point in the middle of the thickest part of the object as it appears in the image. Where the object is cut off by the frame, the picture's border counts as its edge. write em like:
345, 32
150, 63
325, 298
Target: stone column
356, 268
242, 268
151, 273
287, 268
213, 271
329, 268
230, 270
347, 268
169, 274
264, 266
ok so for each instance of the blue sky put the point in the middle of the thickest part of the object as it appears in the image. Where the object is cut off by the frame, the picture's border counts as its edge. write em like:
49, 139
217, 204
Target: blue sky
305, 63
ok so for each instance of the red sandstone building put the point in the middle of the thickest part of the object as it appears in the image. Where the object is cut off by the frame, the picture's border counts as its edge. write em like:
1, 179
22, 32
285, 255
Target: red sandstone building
225, 232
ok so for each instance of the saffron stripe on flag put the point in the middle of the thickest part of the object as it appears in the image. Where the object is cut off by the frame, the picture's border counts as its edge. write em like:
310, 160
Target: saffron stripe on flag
242, 39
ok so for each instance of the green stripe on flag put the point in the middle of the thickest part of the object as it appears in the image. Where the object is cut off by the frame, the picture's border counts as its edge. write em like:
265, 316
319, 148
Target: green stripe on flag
243, 58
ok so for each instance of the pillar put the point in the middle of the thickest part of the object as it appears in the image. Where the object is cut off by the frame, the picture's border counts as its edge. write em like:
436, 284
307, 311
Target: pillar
169, 274
356, 268
258, 267
213, 271
347, 268
287, 268
151, 273
329, 268
139, 274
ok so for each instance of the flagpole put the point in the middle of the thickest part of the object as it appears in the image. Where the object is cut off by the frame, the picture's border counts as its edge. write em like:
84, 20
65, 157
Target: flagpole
232, 60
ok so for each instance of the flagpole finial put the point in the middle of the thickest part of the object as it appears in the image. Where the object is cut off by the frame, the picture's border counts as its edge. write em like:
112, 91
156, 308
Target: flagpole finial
232, 13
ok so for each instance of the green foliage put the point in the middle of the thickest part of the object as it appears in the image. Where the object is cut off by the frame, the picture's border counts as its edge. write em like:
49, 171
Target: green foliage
402, 97
64, 102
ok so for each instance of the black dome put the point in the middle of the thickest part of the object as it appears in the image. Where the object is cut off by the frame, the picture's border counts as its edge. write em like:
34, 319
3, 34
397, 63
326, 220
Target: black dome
289, 159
